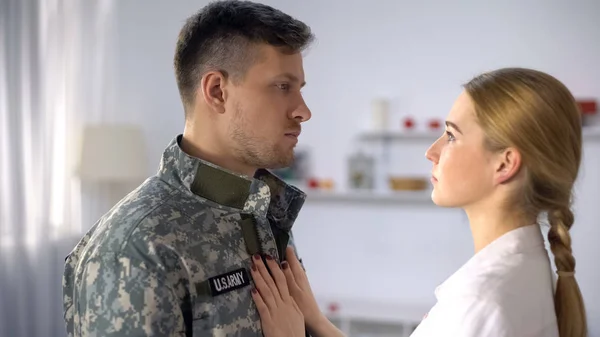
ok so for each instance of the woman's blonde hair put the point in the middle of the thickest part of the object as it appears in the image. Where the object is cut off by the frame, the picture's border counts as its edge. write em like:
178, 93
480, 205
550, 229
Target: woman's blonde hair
536, 114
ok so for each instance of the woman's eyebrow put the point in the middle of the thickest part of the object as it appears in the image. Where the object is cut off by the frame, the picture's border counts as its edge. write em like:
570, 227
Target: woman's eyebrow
454, 126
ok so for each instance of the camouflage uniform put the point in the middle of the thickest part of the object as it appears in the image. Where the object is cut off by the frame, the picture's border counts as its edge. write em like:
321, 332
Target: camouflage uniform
173, 257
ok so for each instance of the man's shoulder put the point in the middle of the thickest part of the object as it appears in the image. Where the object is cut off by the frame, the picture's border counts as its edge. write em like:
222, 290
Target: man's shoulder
148, 203
147, 229
152, 212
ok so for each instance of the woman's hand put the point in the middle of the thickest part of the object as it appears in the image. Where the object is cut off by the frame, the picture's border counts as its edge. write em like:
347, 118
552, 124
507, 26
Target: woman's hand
279, 314
300, 289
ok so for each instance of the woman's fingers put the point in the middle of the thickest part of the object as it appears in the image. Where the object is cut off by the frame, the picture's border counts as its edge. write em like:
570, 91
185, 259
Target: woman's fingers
280, 315
263, 288
261, 306
264, 273
295, 265
280, 280
289, 277
296, 306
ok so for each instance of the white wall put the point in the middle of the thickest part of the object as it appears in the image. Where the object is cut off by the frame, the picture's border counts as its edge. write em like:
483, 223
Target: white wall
418, 55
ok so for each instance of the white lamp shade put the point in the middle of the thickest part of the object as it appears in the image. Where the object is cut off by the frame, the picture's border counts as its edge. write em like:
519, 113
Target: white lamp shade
112, 153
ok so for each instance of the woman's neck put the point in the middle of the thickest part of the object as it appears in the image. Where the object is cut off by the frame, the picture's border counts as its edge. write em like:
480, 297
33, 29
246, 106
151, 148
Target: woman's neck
491, 222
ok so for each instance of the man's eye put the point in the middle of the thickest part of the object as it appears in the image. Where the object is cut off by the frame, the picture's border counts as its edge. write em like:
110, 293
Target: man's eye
284, 86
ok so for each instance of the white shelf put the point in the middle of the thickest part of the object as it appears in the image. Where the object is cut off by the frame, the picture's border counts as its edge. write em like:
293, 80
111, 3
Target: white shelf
400, 197
589, 132
399, 135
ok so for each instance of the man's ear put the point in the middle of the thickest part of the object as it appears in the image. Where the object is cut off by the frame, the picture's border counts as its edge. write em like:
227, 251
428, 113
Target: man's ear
212, 91
507, 166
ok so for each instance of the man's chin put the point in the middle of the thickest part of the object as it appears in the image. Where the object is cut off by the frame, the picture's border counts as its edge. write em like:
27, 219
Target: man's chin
280, 165
281, 162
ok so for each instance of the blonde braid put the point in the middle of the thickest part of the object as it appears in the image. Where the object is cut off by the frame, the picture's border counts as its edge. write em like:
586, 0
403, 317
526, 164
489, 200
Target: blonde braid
568, 302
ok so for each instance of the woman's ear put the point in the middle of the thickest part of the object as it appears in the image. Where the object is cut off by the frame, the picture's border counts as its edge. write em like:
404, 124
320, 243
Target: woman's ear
507, 166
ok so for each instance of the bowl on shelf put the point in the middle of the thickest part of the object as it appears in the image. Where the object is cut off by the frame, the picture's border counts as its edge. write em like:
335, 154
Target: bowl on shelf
397, 183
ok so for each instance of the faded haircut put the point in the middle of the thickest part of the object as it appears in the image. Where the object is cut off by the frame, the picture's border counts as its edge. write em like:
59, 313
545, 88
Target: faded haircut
223, 36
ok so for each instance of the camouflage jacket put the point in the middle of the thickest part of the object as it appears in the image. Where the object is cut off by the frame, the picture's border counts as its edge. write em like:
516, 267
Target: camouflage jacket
172, 258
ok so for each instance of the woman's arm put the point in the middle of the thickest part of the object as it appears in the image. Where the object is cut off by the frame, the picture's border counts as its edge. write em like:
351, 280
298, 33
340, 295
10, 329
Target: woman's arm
299, 287
279, 314
281, 294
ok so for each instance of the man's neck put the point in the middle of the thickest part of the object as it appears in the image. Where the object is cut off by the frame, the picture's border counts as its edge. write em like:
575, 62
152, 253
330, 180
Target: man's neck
489, 222
203, 146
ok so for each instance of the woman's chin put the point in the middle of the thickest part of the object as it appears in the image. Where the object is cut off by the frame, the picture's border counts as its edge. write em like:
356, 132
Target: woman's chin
440, 200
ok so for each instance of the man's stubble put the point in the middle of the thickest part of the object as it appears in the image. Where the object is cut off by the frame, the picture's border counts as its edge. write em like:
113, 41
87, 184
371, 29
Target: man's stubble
256, 150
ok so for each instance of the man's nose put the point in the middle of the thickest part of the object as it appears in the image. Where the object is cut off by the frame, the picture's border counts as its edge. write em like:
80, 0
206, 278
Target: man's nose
302, 113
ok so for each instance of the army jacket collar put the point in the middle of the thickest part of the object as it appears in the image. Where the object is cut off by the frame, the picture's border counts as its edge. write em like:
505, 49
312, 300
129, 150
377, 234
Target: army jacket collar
264, 195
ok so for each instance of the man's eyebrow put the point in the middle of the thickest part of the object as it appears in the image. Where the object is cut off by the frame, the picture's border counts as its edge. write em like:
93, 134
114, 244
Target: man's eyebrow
292, 78
454, 126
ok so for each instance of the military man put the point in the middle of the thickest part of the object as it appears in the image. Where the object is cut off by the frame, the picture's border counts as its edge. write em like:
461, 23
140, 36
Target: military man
173, 257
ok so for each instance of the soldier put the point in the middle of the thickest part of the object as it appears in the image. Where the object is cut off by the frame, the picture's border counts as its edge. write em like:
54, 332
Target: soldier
173, 257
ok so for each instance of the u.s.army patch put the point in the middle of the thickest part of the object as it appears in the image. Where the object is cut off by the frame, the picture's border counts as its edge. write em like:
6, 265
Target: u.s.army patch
227, 282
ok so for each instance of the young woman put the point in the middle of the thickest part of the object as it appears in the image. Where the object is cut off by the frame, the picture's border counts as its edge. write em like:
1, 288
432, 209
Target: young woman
511, 152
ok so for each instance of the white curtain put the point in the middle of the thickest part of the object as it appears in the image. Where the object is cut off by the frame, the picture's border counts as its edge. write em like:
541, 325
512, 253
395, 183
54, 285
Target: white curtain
55, 67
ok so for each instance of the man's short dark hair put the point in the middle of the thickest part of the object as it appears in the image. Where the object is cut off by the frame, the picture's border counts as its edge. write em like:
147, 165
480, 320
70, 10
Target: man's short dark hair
220, 37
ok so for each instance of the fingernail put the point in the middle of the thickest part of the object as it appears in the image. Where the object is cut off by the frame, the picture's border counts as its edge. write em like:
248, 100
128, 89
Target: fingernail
284, 265
254, 268
257, 256
254, 291
269, 257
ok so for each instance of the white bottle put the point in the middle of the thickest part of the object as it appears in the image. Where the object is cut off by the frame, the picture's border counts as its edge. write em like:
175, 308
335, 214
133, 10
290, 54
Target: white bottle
380, 110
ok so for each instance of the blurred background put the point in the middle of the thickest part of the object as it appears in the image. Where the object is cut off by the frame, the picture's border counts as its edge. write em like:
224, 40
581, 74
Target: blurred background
88, 102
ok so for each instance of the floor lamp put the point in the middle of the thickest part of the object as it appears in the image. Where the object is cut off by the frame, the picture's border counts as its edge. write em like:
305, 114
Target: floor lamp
113, 156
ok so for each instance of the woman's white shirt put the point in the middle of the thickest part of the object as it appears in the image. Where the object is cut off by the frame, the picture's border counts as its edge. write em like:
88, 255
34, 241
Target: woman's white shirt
506, 289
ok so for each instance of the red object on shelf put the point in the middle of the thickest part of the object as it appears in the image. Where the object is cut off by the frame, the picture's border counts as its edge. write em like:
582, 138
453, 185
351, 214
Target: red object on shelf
588, 107
409, 123
434, 124
333, 307
313, 183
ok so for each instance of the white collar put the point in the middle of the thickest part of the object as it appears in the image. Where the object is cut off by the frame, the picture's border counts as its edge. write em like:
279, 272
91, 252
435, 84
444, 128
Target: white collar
518, 241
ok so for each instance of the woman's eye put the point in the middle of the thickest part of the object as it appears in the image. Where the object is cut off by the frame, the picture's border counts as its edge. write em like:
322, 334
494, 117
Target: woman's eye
450, 136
